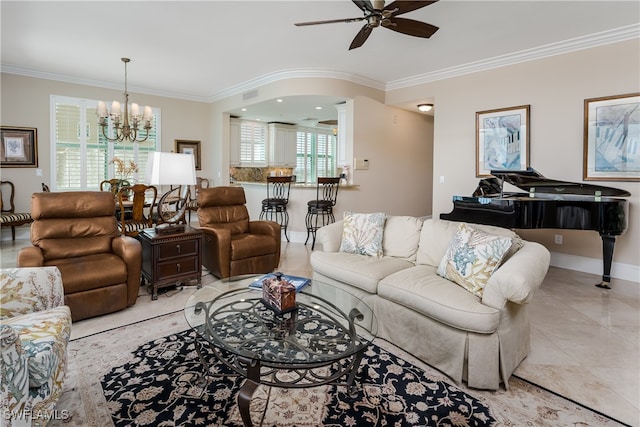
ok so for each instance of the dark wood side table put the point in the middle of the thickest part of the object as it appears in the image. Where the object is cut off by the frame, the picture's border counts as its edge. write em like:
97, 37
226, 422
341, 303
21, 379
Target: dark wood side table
170, 259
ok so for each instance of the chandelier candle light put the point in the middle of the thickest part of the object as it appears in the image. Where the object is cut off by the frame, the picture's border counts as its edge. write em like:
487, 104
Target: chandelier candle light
123, 131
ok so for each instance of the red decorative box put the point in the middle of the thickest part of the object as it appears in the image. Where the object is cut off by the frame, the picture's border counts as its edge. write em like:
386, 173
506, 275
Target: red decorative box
278, 294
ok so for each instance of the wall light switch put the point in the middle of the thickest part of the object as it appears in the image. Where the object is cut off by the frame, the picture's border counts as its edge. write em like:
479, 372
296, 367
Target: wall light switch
361, 164
441, 179
38, 172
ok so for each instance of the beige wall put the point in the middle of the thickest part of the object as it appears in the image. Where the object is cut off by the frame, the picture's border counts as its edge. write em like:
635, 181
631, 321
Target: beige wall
404, 176
555, 88
25, 102
397, 143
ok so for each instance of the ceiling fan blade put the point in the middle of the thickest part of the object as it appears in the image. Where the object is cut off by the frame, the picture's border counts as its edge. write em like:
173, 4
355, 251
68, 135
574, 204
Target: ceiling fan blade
329, 21
361, 37
402, 6
410, 27
364, 5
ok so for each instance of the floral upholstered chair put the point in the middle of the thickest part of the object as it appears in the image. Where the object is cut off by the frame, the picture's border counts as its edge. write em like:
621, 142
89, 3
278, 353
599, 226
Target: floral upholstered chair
35, 326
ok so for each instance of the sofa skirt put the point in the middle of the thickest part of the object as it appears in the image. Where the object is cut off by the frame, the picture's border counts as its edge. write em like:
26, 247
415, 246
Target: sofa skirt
483, 361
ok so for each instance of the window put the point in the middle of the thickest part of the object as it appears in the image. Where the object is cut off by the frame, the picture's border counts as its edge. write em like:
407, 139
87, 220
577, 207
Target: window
253, 143
316, 154
82, 154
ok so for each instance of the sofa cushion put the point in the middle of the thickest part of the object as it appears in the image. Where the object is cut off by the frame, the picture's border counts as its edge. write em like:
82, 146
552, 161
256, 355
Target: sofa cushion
362, 233
245, 246
401, 236
436, 235
421, 289
472, 257
363, 272
90, 272
43, 336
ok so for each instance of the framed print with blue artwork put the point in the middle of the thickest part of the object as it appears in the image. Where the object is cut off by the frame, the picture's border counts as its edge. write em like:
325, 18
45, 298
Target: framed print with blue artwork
502, 139
612, 138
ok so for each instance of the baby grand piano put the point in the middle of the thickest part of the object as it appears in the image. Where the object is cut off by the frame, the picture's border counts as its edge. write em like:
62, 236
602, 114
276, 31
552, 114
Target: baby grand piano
546, 203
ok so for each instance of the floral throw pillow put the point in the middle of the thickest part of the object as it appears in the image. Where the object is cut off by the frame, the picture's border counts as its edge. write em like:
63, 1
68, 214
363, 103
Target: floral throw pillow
362, 233
472, 257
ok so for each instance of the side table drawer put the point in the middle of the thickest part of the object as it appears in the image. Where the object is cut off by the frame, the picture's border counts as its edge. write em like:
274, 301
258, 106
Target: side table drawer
178, 267
177, 249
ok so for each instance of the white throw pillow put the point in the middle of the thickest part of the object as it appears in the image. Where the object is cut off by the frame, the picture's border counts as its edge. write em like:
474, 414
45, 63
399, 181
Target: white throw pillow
472, 257
401, 236
362, 233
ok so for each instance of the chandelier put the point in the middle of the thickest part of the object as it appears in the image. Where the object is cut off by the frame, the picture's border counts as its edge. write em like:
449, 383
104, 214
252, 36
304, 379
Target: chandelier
125, 127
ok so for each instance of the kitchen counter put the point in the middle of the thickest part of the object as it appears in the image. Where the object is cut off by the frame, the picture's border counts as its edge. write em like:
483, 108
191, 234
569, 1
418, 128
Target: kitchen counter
296, 185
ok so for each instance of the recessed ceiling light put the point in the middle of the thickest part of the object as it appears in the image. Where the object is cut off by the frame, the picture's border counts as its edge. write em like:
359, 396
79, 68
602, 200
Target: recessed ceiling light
425, 107
279, 100
243, 109
318, 108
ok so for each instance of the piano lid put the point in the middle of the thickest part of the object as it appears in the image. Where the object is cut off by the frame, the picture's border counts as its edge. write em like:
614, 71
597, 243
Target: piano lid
531, 178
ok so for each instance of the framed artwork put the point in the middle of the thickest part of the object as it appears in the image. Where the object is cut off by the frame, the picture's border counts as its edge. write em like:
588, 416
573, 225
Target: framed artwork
19, 147
189, 147
612, 138
502, 139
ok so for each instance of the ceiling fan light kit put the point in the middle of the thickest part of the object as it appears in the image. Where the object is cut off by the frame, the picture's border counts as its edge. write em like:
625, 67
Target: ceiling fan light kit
376, 15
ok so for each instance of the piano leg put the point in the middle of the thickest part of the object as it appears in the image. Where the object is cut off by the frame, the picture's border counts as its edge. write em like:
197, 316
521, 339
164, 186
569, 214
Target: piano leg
608, 243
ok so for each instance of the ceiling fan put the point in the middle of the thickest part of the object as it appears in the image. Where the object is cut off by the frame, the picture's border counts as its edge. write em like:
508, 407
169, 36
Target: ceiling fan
377, 14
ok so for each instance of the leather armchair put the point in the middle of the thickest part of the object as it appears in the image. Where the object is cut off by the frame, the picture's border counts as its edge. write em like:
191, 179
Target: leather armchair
234, 245
77, 232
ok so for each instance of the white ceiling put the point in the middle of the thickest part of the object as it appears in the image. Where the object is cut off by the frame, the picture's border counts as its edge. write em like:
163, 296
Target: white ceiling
206, 50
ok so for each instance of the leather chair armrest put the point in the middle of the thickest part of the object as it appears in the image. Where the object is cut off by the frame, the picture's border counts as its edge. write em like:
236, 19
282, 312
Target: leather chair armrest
130, 250
30, 256
216, 251
265, 227
271, 228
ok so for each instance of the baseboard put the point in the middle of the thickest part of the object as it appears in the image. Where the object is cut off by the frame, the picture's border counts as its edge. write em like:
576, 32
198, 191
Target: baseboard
594, 266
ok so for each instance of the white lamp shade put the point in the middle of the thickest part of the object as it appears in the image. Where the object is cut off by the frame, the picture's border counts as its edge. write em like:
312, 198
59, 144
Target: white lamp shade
170, 169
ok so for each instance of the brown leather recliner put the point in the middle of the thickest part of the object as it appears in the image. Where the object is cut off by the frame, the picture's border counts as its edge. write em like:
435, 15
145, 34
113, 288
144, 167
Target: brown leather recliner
77, 232
234, 245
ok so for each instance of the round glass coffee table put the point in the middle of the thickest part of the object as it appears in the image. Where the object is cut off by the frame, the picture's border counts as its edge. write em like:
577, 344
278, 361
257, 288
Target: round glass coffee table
320, 342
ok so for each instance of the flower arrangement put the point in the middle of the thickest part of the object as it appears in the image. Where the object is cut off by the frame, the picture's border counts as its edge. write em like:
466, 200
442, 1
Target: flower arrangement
124, 170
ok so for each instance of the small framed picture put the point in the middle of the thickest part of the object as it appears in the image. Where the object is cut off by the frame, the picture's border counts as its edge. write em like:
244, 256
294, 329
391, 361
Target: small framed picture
502, 139
612, 138
189, 147
19, 147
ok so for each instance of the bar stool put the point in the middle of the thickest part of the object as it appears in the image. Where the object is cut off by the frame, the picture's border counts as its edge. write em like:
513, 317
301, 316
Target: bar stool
274, 207
320, 210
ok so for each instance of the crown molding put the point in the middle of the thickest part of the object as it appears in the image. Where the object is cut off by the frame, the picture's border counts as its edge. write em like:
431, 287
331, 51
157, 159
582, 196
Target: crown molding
571, 45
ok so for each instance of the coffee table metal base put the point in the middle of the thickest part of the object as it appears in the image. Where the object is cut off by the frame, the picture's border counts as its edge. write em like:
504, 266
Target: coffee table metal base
280, 375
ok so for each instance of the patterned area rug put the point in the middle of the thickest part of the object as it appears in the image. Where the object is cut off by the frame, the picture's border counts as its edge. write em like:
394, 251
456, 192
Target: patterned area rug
146, 374
159, 386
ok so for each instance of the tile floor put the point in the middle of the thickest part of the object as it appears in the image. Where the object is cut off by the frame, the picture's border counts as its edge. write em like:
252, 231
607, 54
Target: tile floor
585, 341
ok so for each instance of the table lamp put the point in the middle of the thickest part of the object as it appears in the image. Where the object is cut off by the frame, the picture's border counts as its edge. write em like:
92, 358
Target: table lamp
171, 169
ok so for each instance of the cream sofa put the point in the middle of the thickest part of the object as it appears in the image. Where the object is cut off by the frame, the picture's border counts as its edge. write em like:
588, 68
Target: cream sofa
480, 340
